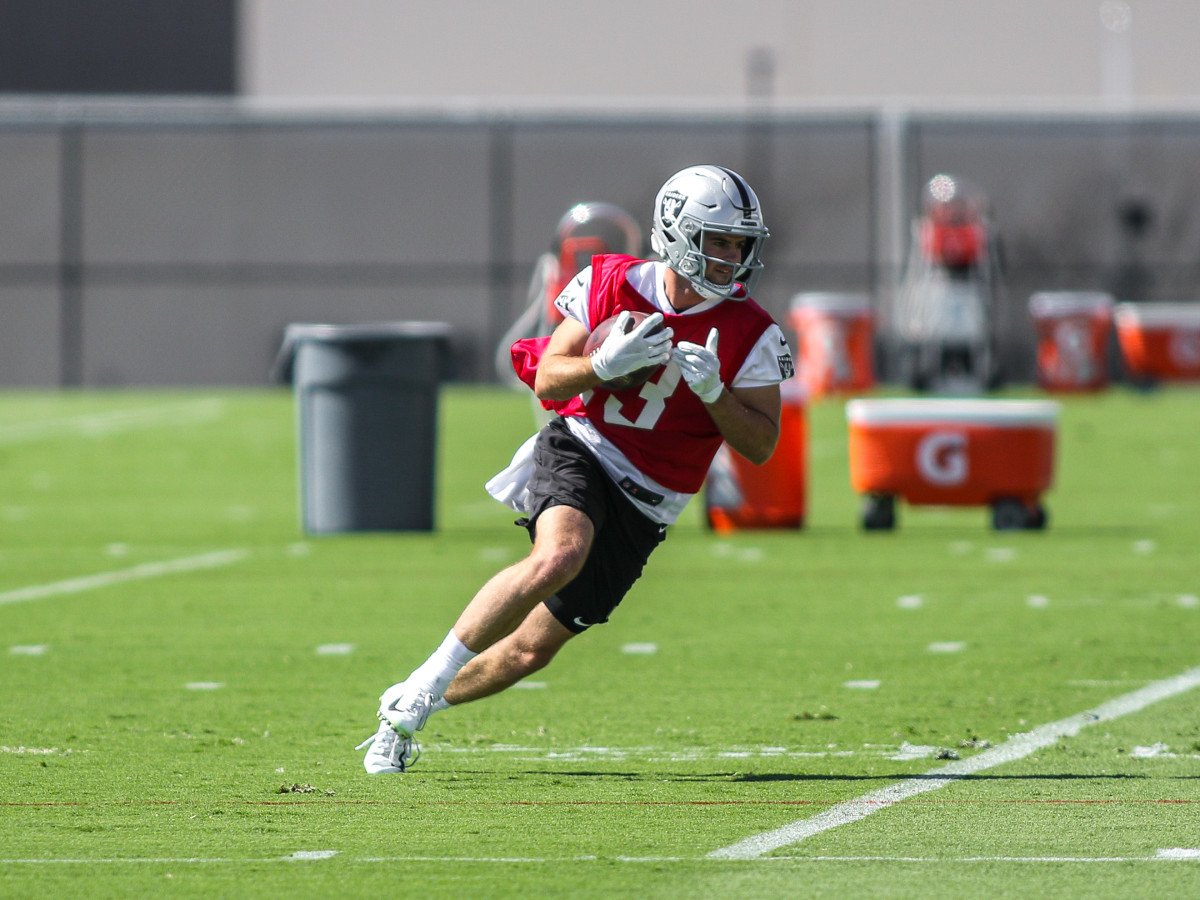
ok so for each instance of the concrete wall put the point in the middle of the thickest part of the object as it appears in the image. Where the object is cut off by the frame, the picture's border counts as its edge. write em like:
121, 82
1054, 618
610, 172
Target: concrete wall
170, 244
408, 161
979, 54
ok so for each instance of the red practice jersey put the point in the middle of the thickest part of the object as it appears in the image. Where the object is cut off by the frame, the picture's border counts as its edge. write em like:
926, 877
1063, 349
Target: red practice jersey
660, 426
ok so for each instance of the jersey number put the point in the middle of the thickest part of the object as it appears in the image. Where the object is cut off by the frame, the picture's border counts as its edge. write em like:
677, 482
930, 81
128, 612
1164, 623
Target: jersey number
653, 393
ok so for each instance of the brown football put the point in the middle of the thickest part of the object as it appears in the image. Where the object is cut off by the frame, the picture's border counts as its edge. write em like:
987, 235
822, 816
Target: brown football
596, 338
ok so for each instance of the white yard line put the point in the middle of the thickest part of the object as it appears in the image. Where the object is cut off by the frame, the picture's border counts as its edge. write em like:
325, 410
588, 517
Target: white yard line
316, 856
113, 422
136, 573
1017, 747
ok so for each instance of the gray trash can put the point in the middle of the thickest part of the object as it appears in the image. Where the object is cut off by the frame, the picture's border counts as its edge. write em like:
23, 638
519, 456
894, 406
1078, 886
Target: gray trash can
366, 411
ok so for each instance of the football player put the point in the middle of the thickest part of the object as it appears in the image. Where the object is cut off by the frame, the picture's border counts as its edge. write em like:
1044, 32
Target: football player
598, 486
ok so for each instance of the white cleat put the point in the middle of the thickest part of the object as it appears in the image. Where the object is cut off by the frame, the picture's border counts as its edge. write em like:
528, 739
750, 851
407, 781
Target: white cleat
405, 710
388, 752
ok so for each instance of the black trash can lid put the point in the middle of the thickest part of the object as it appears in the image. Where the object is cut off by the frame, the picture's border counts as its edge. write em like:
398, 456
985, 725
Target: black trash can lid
298, 332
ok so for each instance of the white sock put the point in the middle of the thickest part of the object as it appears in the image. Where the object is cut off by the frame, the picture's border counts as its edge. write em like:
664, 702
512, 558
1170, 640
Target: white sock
443, 664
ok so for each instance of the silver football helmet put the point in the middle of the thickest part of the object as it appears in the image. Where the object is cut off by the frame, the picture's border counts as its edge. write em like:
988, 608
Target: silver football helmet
699, 200
587, 229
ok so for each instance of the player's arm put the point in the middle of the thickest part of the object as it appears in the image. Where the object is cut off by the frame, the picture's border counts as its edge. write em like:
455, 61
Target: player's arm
563, 371
748, 419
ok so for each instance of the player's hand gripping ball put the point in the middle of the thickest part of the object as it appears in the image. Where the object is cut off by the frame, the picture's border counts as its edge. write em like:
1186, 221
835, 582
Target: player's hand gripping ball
633, 355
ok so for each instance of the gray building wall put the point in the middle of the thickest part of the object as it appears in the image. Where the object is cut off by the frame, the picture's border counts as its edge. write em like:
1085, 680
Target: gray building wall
981, 53
170, 244
407, 161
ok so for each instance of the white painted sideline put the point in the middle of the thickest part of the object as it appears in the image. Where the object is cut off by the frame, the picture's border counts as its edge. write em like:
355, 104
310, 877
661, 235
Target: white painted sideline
1017, 747
104, 579
1167, 855
115, 421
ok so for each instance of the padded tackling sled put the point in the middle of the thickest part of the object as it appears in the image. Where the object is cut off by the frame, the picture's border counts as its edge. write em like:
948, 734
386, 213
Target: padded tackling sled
945, 303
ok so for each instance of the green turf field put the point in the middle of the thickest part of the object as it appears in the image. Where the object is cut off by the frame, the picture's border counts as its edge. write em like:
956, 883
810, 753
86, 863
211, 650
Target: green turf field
823, 713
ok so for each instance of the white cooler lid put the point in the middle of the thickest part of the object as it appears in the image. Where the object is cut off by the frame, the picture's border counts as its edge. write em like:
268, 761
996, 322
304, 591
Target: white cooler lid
832, 301
900, 411
1051, 303
1160, 314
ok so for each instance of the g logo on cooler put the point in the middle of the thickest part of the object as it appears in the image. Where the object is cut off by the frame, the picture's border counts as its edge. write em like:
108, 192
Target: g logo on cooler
1184, 347
942, 458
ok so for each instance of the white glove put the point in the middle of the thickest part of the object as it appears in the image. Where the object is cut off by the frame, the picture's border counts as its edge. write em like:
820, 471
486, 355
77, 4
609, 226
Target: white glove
622, 353
700, 366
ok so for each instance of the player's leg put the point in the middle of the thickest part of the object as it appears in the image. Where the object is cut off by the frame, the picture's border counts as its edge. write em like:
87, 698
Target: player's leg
618, 554
560, 548
505, 610
568, 497
526, 650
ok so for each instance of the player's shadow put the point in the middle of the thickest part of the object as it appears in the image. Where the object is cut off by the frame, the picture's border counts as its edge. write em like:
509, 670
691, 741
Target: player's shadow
887, 778
776, 776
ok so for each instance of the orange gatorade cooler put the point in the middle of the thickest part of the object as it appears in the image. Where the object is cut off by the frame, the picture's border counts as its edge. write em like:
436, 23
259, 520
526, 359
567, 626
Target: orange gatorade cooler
836, 334
1160, 341
951, 452
739, 494
1072, 331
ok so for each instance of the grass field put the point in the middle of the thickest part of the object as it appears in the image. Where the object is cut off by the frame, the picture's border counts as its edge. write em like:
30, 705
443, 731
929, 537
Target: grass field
822, 713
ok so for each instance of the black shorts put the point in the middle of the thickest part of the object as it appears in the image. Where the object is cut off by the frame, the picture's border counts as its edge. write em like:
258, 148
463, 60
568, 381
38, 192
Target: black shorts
567, 474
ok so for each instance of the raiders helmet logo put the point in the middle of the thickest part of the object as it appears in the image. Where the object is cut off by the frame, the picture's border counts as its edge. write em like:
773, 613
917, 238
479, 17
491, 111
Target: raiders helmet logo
672, 206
